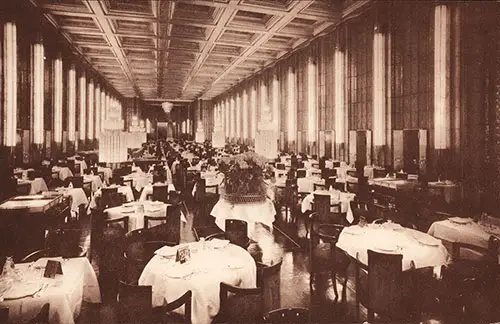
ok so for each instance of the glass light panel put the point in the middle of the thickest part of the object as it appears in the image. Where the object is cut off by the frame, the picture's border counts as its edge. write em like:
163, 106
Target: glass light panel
38, 84
72, 103
82, 108
312, 119
91, 110
379, 101
58, 99
339, 97
10, 86
292, 109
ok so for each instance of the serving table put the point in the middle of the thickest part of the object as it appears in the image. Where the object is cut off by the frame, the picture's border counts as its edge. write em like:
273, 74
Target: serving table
211, 263
24, 220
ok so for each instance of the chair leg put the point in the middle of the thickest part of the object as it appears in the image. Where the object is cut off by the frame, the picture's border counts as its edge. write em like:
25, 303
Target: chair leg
334, 282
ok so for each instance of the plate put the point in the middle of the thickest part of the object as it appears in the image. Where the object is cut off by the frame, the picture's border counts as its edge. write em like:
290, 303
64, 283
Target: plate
353, 230
178, 271
460, 220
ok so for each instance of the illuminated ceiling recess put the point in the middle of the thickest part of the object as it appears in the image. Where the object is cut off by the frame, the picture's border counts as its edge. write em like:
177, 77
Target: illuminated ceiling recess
167, 107
182, 50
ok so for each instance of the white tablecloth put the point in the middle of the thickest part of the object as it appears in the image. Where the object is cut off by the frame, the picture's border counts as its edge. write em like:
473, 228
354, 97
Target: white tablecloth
108, 173
65, 293
449, 190
64, 172
307, 184
344, 198
210, 267
403, 241
126, 190
36, 186
148, 190
139, 179
95, 179
251, 213
470, 233
22, 173
136, 217
78, 197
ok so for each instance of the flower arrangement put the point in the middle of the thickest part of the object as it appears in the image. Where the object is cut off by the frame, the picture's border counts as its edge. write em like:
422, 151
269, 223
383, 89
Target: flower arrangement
243, 174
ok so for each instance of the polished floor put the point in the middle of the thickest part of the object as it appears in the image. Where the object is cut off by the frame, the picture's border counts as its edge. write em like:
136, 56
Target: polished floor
295, 288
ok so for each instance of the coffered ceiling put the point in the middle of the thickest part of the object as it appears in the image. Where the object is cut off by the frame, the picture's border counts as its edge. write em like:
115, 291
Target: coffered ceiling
165, 50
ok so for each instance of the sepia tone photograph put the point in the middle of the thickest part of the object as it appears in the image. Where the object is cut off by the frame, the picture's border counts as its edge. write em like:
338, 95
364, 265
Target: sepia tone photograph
249, 161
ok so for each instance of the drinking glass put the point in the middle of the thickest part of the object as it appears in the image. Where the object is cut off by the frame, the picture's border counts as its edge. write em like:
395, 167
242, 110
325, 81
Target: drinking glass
362, 221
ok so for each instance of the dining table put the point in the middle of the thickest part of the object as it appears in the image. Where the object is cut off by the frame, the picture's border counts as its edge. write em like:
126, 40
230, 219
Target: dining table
94, 179
25, 290
336, 197
77, 195
36, 185
257, 212
139, 179
418, 249
136, 210
466, 230
62, 172
148, 190
449, 190
210, 263
108, 173
125, 190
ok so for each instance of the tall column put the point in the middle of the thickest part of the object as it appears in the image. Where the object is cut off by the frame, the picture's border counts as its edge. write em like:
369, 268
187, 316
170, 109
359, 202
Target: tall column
57, 126
245, 116
72, 109
10, 88
104, 108
253, 113
312, 109
340, 136
38, 101
380, 116
232, 132
91, 112
291, 110
442, 120
97, 96
238, 117
82, 108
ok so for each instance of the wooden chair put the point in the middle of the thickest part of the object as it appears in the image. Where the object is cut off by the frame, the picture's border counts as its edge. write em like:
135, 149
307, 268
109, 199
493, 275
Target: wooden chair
33, 256
291, 199
108, 197
151, 246
301, 173
162, 314
160, 193
134, 303
77, 182
323, 255
156, 219
4, 315
43, 316
382, 293
268, 278
471, 279
87, 188
134, 255
288, 316
244, 305
121, 221
237, 232
65, 242
379, 173
328, 213
352, 187
319, 186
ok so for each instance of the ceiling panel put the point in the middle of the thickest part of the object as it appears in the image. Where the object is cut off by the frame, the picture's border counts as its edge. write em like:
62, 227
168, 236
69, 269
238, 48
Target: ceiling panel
186, 49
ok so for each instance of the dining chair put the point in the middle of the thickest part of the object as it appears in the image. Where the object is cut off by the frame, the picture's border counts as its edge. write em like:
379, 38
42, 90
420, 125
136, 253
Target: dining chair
319, 186
134, 303
160, 192
422, 293
239, 305
4, 315
237, 232
291, 200
33, 256
473, 275
301, 173
43, 316
65, 242
121, 221
352, 187
150, 248
268, 279
164, 314
76, 181
288, 316
134, 254
323, 254
127, 182
328, 213
154, 220
382, 292
379, 173
87, 188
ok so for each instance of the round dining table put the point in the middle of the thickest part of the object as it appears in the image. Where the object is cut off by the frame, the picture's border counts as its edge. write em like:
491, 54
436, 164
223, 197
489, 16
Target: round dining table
211, 263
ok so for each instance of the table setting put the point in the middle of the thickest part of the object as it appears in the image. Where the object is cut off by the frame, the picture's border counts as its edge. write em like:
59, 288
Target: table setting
24, 289
148, 190
207, 264
126, 190
136, 210
419, 249
466, 230
336, 196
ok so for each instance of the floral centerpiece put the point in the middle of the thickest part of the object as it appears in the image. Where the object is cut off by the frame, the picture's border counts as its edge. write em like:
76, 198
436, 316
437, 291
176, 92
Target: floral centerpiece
244, 177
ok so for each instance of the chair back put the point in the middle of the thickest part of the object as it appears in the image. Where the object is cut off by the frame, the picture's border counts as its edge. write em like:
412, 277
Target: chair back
64, 242
43, 316
287, 316
243, 306
385, 286
268, 278
301, 173
109, 197
352, 187
379, 173
185, 300
71, 165
4, 315
402, 175
280, 166
237, 232
160, 192
134, 303
150, 221
77, 182
327, 213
